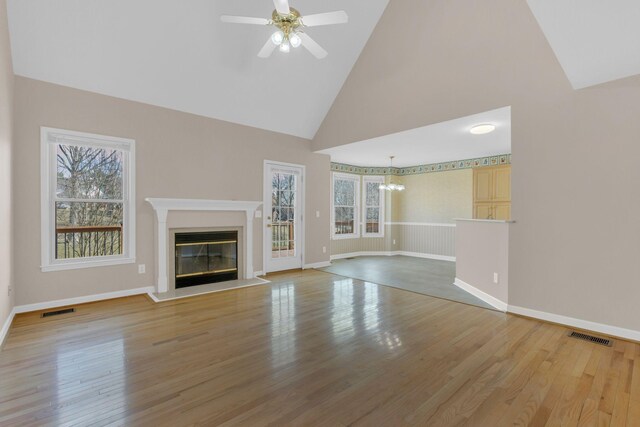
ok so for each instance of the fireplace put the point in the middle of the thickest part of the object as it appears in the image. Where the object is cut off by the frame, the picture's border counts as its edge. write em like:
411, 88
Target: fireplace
205, 257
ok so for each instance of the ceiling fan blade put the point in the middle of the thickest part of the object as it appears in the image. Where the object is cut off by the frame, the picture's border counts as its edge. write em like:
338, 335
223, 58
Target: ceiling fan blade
267, 49
244, 20
282, 6
313, 47
329, 18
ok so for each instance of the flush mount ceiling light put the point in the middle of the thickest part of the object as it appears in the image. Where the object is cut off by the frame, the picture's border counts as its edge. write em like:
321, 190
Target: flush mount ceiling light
290, 28
391, 186
482, 129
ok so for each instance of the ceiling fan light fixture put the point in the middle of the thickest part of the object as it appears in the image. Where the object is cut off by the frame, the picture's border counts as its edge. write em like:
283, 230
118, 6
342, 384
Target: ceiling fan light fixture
277, 38
295, 40
482, 129
285, 47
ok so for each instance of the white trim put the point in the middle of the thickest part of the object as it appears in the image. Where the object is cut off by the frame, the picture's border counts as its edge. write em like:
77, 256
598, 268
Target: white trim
7, 325
317, 265
162, 208
394, 253
429, 256
497, 221
81, 300
489, 299
375, 179
587, 325
426, 224
49, 137
356, 209
302, 208
258, 273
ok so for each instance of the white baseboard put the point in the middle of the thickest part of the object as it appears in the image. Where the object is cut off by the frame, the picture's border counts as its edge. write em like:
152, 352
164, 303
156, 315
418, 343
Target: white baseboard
81, 300
491, 300
394, 253
317, 265
602, 328
429, 256
258, 273
7, 324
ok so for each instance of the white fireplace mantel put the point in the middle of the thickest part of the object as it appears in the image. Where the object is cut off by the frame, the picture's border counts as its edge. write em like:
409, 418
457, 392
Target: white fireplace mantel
162, 208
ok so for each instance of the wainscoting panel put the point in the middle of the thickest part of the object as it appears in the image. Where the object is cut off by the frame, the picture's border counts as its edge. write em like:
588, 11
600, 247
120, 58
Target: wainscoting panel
419, 238
435, 239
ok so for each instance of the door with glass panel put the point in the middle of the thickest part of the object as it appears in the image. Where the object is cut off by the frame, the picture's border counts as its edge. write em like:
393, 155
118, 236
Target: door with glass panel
283, 217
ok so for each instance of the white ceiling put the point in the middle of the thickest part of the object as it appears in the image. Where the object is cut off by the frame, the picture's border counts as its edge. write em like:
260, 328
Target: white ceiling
177, 54
595, 41
440, 142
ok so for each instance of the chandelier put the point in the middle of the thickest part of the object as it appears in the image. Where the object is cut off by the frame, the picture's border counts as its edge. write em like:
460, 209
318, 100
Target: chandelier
391, 186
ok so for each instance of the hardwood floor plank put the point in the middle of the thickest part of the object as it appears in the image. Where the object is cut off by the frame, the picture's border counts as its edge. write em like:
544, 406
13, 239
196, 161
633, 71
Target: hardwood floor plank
309, 349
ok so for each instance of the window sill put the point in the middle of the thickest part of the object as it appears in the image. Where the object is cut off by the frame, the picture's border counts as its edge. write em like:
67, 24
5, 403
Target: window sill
86, 264
373, 236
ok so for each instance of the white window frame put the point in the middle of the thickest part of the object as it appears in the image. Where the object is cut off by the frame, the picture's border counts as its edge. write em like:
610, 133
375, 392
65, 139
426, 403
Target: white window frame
49, 139
376, 180
356, 213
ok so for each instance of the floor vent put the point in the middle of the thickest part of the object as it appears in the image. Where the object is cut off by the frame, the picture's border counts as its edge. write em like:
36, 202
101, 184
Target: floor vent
591, 338
58, 312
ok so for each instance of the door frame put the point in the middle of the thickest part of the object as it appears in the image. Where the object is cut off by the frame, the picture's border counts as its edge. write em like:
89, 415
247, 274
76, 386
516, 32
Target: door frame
266, 195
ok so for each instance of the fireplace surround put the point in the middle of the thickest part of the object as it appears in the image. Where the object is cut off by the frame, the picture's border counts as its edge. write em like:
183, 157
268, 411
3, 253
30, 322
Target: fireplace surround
162, 209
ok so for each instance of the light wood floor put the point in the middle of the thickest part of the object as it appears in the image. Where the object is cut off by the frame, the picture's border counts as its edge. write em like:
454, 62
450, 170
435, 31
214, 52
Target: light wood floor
312, 349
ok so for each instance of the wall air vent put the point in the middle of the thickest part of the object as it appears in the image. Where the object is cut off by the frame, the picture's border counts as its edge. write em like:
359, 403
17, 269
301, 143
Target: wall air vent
591, 338
58, 312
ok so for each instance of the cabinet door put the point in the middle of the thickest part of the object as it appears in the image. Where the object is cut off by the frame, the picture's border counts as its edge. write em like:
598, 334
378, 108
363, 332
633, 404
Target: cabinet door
502, 184
482, 211
502, 210
482, 185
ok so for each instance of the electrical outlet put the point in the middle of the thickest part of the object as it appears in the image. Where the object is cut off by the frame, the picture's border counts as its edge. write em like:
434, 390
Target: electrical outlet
324, 249
394, 241
495, 277
9, 290
142, 268
317, 214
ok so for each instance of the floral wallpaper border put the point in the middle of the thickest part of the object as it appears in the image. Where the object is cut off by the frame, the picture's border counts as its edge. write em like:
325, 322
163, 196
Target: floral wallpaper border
502, 159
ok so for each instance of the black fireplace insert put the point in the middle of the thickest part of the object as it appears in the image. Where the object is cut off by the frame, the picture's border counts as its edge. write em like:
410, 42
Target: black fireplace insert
206, 257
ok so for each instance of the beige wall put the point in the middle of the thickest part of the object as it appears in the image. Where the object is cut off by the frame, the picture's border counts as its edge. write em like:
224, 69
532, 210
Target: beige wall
6, 140
483, 249
177, 155
437, 197
574, 248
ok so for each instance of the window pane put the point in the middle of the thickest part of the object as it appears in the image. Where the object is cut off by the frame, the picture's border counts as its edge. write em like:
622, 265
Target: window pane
344, 192
373, 220
344, 220
88, 229
373, 194
89, 173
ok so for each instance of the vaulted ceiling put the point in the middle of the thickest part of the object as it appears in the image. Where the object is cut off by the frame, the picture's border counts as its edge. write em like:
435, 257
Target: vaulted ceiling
595, 41
179, 55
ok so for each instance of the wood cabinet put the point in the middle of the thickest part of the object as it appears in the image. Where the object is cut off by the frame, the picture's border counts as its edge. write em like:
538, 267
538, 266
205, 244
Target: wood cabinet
492, 192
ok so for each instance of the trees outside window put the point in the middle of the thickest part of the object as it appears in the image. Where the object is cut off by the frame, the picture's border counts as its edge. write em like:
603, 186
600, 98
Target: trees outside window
87, 215
346, 189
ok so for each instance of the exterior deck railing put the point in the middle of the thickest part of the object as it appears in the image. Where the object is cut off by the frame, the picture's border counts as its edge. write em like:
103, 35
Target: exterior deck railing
88, 241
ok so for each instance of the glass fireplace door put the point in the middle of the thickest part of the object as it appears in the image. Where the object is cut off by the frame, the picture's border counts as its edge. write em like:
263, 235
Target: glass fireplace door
205, 258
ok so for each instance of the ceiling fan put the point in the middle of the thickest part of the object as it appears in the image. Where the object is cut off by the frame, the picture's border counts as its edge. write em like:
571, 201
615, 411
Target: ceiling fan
290, 28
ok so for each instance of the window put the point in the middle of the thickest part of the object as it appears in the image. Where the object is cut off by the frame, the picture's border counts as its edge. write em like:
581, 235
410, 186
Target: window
88, 214
372, 206
346, 190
